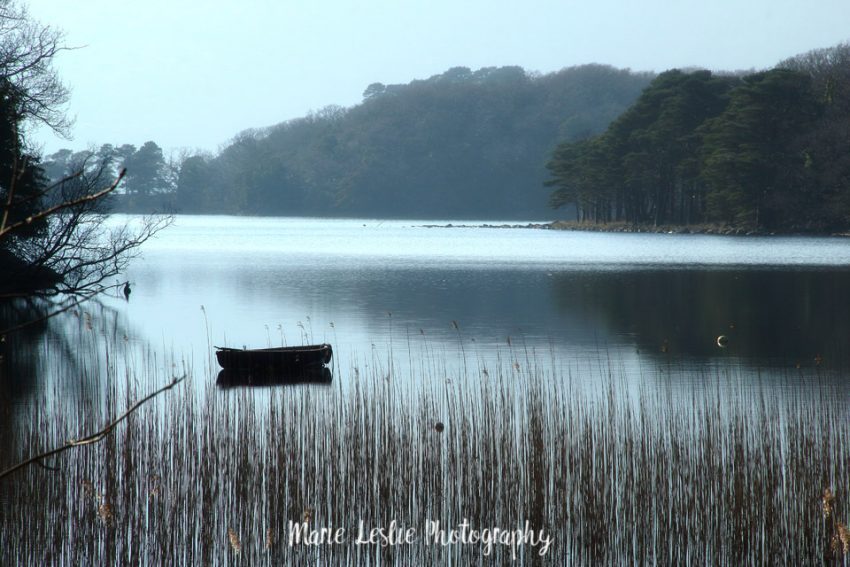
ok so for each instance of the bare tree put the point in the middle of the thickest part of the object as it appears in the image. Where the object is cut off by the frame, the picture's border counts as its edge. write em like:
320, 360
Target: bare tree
53, 238
80, 247
27, 49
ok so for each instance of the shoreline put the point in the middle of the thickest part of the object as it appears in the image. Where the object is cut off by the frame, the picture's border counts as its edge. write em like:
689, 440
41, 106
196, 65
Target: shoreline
706, 229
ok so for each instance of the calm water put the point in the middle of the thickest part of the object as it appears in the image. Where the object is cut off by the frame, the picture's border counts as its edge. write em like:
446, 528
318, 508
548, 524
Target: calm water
396, 295
645, 306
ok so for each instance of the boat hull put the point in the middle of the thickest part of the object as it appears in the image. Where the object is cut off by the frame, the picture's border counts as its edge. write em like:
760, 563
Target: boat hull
284, 360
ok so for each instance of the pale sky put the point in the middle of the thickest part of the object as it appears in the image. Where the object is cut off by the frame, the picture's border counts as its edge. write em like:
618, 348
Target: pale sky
193, 74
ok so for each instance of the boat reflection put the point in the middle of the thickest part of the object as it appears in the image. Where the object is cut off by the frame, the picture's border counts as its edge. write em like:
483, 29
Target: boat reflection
231, 378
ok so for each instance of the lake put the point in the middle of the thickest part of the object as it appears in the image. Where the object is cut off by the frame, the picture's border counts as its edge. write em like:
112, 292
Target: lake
525, 368
649, 302
649, 305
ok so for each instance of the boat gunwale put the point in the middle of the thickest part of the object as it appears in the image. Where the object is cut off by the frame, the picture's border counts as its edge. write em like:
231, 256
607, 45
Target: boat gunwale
305, 348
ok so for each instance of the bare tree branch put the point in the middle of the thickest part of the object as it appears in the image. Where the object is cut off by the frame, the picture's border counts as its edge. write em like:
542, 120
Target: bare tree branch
27, 49
43, 192
94, 437
63, 205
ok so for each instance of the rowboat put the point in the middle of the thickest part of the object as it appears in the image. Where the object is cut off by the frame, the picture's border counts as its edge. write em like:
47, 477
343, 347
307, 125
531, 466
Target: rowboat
282, 360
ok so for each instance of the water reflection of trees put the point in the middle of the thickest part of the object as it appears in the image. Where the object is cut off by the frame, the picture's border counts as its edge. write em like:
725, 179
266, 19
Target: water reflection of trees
789, 316
63, 333
18, 375
46, 358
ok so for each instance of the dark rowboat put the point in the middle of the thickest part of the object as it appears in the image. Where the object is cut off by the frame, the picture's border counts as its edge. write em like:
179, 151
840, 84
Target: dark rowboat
283, 360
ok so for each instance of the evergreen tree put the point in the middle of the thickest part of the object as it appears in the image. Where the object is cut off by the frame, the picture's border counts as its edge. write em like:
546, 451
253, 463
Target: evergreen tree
642, 169
765, 151
22, 180
754, 172
146, 171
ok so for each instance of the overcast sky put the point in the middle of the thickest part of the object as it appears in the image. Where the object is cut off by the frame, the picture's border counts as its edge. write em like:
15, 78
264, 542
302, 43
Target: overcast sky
192, 74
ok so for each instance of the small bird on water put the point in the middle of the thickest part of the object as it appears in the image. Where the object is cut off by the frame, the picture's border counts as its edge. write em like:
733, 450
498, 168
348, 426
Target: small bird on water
127, 291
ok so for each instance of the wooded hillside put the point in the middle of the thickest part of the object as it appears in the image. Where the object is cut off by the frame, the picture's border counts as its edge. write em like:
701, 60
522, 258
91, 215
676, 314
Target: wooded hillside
460, 144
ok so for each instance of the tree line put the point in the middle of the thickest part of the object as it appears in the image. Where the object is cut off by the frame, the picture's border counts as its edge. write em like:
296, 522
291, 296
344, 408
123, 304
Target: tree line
150, 181
763, 151
757, 151
460, 144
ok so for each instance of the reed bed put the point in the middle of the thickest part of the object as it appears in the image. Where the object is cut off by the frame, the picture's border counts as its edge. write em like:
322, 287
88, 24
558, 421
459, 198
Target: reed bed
611, 477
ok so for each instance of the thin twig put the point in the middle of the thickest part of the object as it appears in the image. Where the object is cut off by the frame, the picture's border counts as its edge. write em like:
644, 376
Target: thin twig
94, 437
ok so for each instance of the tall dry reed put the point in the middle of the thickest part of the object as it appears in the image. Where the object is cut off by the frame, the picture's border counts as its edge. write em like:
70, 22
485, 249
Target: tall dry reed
213, 477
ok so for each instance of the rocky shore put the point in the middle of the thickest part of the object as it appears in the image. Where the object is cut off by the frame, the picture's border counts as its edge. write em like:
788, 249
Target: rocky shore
661, 229
632, 228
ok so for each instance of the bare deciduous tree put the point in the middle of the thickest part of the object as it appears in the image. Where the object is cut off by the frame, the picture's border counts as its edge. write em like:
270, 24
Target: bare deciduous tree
27, 49
81, 247
53, 238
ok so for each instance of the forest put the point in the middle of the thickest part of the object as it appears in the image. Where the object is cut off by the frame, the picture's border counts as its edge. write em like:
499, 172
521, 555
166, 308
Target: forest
461, 144
758, 151
766, 151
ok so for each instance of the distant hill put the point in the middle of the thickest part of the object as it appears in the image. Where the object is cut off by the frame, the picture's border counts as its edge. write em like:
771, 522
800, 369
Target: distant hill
462, 144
